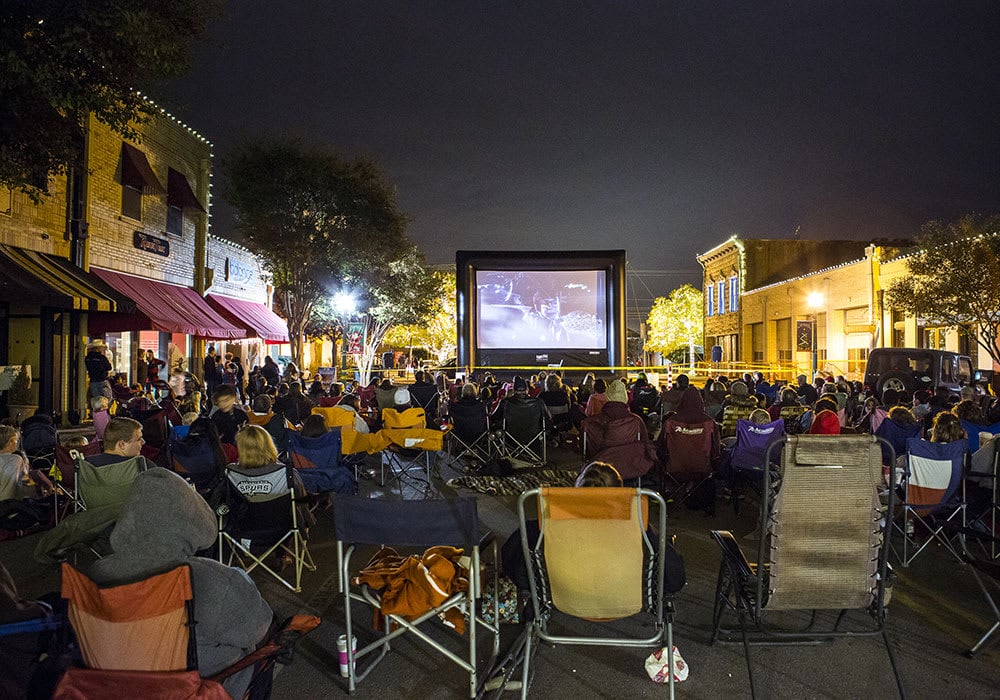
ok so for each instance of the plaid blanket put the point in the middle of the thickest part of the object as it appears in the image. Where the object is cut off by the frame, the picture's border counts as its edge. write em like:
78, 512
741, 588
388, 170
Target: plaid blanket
518, 483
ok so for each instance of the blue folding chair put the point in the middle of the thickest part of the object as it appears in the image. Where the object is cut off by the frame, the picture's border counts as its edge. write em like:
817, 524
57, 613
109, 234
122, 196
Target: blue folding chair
194, 459
972, 430
416, 524
897, 435
747, 458
318, 461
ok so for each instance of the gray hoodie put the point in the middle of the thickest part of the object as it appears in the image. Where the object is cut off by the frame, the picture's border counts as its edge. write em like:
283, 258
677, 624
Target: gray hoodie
163, 523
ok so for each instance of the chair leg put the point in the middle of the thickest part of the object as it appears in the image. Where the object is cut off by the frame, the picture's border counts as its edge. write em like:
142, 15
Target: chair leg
528, 651
996, 613
746, 654
670, 656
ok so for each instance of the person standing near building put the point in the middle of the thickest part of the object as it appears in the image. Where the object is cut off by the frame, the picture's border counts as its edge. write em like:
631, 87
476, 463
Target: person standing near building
153, 366
140, 367
211, 371
98, 368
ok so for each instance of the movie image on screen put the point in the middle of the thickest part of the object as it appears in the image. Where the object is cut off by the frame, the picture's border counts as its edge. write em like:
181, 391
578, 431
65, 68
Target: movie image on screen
548, 309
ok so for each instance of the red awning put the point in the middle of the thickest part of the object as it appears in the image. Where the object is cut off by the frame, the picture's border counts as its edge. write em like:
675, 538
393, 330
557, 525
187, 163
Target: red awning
258, 319
166, 307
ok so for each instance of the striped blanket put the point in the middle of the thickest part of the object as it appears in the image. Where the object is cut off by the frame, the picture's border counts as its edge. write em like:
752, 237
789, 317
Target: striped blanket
518, 483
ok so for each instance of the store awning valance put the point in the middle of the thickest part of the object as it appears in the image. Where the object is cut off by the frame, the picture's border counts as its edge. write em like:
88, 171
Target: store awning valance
166, 307
258, 319
179, 192
137, 172
30, 276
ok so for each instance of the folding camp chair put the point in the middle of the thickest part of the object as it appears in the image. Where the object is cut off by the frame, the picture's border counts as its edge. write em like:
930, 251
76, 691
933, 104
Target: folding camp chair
690, 465
259, 520
896, 434
986, 572
823, 530
427, 397
419, 524
140, 640
194, 459
595, 559
634, 459
975, 430
932, 497
63, 475
353, 445
469, 437
746, 458
523, 430
408, 446
318, 461
97, 487
984, 521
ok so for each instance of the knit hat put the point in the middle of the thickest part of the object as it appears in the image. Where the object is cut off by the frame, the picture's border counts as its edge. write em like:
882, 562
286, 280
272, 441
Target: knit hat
401, 397
520, 384
616, 392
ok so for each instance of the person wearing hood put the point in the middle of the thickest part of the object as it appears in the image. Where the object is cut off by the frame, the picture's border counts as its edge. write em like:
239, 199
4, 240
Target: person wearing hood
691, 410
163, 524
825, 420
618, 436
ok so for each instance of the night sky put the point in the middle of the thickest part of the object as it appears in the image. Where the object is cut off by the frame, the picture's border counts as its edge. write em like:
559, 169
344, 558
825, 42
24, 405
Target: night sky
661, 128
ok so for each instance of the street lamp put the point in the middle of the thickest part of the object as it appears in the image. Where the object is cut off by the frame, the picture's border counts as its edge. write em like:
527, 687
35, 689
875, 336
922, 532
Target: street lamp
345, 305
815, 302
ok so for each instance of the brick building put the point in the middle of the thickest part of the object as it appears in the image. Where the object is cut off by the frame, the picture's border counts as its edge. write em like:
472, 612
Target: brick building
119, 251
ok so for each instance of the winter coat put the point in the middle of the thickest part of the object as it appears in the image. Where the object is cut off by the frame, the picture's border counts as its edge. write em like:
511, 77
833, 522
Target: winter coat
162, 525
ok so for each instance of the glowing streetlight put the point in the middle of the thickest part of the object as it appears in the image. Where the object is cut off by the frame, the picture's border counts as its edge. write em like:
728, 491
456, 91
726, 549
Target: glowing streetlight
345, 305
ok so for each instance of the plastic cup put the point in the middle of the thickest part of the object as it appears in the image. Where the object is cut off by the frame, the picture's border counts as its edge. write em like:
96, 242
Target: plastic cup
342, 653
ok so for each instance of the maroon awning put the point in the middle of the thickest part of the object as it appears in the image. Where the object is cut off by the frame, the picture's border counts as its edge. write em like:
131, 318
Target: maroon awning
163, 307
258, 319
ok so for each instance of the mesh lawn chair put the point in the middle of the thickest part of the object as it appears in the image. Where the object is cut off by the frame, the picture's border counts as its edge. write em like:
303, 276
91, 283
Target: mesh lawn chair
138, 640
194, 459
523, 430
932, 497
595, 559
469, 437
690, 466
414, 524
258, 522
407, 446
747, 457
984, 520
318, 461
823, 529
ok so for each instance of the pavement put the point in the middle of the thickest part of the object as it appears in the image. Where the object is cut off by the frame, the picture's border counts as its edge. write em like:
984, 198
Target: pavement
937, 613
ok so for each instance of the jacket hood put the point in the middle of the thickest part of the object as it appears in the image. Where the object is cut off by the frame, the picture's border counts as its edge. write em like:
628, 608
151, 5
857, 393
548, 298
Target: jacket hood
163, 519
691, 403
825, 423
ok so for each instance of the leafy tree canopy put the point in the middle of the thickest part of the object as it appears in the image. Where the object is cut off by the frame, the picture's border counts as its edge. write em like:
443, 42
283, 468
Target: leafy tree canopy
439, 332
675, 321
63, 59
952, 280
323, 224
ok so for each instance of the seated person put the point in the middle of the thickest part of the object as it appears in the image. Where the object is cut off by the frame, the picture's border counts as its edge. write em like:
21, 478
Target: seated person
352, 403
122, 442
165, 523
595, 474
14, 467
618, 436
227, 416
314, 426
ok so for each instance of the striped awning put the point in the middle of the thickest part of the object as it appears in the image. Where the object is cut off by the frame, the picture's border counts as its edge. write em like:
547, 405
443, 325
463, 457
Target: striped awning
46, 279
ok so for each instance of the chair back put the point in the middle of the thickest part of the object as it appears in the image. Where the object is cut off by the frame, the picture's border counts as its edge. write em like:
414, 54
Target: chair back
592, 539
469, 420
690, 448
105, 486
194, 459
412, 523
972, 430
261, 504
66, 460
825, 524
427, 397
335, 416
141, 626
897, 435
935, 472
752, 441
524, 419
408, 429
318, 462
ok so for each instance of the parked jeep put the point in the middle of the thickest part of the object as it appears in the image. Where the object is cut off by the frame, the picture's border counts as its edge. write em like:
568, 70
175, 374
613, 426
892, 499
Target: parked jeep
910, 369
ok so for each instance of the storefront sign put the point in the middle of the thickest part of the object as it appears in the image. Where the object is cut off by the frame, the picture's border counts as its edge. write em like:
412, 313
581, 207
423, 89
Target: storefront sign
150, 244
237, 271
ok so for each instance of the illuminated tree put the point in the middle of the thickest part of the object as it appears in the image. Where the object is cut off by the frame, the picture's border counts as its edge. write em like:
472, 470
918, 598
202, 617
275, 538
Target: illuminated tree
952, 280
438, 334
675, 321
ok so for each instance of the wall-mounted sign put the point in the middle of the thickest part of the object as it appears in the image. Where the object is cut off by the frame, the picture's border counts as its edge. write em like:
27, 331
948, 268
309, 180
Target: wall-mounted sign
803, 335
237, 271
151, 244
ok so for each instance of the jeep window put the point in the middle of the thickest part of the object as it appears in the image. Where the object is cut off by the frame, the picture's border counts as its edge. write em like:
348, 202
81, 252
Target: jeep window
964, 371
947, 370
